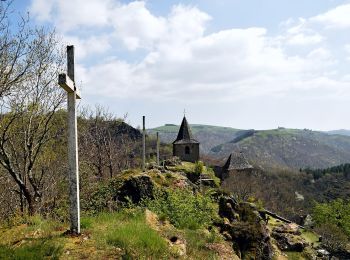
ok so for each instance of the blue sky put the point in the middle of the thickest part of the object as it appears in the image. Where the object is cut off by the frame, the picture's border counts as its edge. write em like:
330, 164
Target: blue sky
245, 64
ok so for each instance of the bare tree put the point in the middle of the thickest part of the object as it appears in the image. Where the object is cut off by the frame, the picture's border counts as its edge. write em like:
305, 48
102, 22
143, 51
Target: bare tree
106, 144
15, 51
29, 98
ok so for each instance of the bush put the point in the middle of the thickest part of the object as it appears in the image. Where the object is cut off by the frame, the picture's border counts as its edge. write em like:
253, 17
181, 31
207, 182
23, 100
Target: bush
198, 167
336, 213
183, 208
333, 238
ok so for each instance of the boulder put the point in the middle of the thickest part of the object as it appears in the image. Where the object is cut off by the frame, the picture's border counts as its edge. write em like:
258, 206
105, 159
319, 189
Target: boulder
322, 253
246, 229
308, 222
252, 239
136, 188
177, 246
226, 210
289, 242
173, 161
290, 228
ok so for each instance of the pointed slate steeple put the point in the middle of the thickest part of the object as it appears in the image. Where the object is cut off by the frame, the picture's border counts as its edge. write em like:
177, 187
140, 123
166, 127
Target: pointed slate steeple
185, 135
185, 147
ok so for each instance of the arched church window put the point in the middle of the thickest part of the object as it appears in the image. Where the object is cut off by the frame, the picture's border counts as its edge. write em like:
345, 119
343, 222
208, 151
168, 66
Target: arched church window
187, 150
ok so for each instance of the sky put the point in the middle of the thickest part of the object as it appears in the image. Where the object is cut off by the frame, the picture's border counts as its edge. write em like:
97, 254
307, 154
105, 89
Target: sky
237, 63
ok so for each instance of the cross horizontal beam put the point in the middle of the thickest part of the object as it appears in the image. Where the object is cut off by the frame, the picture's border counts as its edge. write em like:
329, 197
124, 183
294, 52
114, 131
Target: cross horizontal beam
67, 84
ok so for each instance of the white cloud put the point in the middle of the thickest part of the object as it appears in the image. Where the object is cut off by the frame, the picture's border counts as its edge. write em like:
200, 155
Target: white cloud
298, 32
182, 62
338, 17
136, 26
304, 39
347, 50
85, 47
73, 14
42, 9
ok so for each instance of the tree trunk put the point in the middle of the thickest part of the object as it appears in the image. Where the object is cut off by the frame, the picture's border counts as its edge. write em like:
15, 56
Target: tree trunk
21, 200
31, 208
30, 202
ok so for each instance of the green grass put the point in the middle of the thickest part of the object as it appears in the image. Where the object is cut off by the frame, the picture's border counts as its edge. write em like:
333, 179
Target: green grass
106, 235
117, 235
196, 241
36, 250
126, 230
310, 237
30, 238
295, 256
138, 237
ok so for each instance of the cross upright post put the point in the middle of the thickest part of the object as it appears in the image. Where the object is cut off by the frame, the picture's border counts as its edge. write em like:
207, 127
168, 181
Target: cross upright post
143, 144
158, 148
66, 81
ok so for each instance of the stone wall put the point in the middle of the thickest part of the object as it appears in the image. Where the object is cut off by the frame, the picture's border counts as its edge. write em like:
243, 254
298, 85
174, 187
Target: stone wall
179, 150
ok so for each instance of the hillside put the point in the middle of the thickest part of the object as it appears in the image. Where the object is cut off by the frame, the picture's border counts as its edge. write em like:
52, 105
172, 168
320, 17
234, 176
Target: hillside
209, 136
159, 214
339, 132
288, 148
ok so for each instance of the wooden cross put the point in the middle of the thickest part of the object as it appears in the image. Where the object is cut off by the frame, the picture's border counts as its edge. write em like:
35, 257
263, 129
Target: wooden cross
143, 144
66, 81
157, 149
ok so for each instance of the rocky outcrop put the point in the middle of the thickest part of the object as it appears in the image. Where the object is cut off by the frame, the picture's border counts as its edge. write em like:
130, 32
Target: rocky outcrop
289, 242
288, 238
245, 228
136, 188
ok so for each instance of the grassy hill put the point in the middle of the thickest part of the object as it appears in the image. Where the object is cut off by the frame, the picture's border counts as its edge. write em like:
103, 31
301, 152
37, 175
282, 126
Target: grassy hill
288, 148
209, 136
276, 148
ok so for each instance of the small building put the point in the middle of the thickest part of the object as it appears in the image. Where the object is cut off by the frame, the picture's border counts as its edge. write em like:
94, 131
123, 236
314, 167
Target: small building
185, 146
236, 162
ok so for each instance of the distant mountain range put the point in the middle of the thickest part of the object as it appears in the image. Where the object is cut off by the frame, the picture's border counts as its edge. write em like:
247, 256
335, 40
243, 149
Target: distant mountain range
277, 148
339, 132
209, 136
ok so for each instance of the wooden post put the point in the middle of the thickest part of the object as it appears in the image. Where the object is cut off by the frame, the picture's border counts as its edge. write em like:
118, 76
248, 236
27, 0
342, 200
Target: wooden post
143, 144
67, 83
158, 148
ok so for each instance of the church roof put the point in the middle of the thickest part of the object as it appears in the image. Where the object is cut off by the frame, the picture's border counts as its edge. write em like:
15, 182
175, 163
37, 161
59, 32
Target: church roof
236, 161
184, 136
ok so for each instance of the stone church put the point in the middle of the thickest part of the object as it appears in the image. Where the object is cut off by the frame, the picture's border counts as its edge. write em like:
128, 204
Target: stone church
185, 146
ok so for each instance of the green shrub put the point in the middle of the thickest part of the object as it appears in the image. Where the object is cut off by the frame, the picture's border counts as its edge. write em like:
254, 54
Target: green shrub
183, 208
198, 167
333, 238
101, 199
34, 250
336, 212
